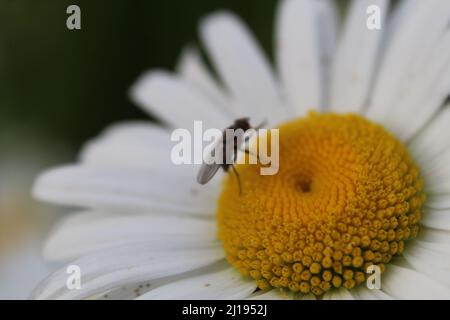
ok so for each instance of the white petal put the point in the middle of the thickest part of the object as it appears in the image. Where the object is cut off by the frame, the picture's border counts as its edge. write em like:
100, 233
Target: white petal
301, 56
442, 249
193, 69
436, 173
338, 294
438, 201
424, 94
364, 293
404, 283
436, 218
273, 294
141, 132
411, 52
177, 101
410, 38
434, 235
397, 18
432, 259
122, 189
328, 23
126, 292
141, 145
135, 290
132, 145
128, 264
225, 284
434, 139
356, 59
69, 241
243, 68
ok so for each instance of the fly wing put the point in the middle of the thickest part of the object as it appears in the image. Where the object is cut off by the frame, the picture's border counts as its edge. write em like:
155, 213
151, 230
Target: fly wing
206, 172
209, 168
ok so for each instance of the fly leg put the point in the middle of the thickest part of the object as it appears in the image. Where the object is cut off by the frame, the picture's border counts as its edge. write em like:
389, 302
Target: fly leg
262, 124
247, 151
237, 178
247, 139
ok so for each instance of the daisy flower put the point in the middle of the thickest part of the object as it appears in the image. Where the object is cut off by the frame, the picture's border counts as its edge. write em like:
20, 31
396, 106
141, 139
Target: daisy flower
363, 179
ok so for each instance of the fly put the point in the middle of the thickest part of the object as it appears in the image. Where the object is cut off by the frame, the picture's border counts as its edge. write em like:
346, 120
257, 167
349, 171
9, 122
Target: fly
229, 153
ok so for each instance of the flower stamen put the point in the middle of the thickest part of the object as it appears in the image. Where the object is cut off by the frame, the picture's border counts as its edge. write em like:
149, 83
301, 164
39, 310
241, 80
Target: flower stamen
347, 196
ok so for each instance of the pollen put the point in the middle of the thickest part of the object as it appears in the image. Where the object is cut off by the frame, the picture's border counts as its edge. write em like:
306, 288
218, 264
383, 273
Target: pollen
347, 196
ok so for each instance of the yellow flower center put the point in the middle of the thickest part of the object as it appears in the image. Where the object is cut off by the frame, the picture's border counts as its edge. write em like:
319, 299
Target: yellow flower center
347, 196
